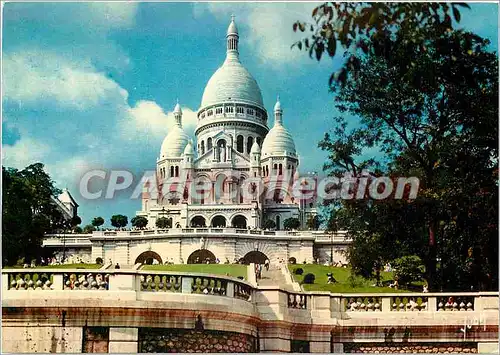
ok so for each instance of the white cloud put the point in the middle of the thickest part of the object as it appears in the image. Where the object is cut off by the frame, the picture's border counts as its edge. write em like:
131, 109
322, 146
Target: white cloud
267, 27
112, 15
24, 152
32, 76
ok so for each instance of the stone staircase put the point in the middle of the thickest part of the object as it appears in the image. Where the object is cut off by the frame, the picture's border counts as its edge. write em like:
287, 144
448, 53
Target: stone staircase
275, 277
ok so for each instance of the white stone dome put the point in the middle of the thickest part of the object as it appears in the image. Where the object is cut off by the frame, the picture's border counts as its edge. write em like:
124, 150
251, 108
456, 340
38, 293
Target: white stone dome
232, 82
277, 142
189, 148
174, 143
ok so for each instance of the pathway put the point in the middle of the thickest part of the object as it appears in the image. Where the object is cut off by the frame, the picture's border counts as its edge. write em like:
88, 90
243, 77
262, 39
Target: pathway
274, 277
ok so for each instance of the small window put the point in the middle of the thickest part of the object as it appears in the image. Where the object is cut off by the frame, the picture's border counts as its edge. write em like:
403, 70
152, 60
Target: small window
250, 111
210, 113
229, 109
218, 111
240, 110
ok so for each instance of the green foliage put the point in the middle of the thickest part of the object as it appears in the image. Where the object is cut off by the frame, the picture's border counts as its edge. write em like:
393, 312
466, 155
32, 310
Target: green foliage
97, 222
373, 29
291, 223
88, 229
164, 222
77, 229
408, 269
119, 221
76, 221
269, 224
313, 222
139, 222
436, 120
309, 279
28, 212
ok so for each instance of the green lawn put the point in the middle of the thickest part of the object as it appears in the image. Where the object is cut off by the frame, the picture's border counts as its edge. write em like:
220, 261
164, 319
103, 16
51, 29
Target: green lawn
217, 269
343, 284
63, 266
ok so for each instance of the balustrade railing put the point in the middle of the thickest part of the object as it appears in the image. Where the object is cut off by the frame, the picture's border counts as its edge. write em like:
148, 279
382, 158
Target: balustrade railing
363, 304
297, 300
455, 303
86, 280
404, 304
161, 283
29, 280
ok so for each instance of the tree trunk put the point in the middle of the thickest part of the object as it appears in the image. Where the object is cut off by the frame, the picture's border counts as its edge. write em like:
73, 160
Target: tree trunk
430, 267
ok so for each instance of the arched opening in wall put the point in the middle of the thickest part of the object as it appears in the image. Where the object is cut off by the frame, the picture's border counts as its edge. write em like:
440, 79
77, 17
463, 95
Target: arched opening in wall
278, 220
239, 221
258, 141
202, 147
198, 221
201, 256
176, 171
249, 144
219, 222
239, 143
220, 187
280, 169
148, 258
256, 257
171, 171
209, 144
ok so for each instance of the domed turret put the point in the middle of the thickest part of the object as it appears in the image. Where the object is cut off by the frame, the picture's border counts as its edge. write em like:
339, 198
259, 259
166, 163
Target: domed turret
189, 149
176, 140
278, 141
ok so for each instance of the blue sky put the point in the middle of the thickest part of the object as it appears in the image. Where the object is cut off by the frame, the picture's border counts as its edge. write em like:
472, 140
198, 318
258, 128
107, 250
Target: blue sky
92, 85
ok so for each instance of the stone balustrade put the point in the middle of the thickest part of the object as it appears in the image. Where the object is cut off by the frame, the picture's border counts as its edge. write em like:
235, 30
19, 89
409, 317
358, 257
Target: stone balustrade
113, 280
218, 285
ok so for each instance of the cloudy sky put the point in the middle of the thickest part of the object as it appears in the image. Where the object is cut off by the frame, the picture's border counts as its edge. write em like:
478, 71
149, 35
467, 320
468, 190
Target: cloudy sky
92, 85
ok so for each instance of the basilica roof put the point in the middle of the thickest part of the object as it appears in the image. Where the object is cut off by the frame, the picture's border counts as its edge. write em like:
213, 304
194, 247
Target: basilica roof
278, 141
176, 140
232, 82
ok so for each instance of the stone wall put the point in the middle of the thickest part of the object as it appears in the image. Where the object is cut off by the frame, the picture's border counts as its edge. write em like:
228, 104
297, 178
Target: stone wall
38, 339
153, 340
409, 348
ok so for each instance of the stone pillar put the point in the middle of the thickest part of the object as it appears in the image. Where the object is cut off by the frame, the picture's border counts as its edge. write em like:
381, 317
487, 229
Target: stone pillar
57, 282
229, 250
338, 348
319, 346
97, 251
123, 340
5, 282
487, 348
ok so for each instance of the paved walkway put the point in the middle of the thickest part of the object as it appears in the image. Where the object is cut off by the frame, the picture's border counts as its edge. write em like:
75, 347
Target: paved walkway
274, 277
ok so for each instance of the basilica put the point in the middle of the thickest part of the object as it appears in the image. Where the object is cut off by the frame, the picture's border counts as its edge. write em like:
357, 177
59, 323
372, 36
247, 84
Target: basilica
240, 168
226, 194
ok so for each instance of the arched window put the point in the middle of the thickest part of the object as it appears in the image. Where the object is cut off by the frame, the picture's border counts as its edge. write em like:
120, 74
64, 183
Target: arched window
202, 147
249, 144
176, 171
258, 141
171, 171
278, 222
209, 144
280, 170
239, 144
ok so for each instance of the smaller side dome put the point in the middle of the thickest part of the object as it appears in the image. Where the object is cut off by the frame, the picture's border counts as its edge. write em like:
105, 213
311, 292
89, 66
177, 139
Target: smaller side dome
255, 148
189, 149
277, 106
176, 140
177, 108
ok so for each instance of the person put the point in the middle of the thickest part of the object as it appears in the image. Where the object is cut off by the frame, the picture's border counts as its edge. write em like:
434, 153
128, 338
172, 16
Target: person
395, 284
267, 264
425, 288
117, 266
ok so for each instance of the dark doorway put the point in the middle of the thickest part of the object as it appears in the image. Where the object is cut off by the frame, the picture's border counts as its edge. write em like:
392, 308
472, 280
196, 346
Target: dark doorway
201, 256
198, 222
148, 258
219, 222
256, 257
239, 221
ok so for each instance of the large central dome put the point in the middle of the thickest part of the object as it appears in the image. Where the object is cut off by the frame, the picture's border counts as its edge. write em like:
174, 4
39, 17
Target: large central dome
232, 82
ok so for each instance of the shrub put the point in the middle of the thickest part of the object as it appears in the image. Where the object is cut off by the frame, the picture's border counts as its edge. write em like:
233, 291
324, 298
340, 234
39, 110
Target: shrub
408, 269
291, 223
292, 260
309, 279
98, 261
299, 271
269, 224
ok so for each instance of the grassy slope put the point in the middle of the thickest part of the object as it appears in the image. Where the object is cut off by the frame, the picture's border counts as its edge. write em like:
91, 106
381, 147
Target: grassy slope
217, 269
341, 275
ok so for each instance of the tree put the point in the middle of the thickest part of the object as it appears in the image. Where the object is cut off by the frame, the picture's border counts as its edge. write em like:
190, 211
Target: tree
435, 120
164, 222
28, 212
291, 223
139, 222
75, 221
408, 269
97, 222
77, 229
313, 222
119, 221
269, 224
88, 229
373, 29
